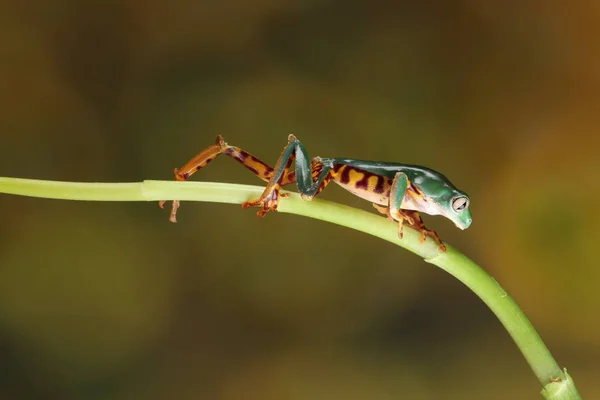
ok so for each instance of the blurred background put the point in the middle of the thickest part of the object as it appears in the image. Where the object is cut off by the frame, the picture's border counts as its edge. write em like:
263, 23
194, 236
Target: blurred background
111, 301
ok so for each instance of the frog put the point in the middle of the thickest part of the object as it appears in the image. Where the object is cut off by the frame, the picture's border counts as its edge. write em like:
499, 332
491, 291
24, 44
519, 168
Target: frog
399, 191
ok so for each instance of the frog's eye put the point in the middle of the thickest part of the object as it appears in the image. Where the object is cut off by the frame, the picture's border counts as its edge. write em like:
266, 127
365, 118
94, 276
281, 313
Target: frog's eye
460, 203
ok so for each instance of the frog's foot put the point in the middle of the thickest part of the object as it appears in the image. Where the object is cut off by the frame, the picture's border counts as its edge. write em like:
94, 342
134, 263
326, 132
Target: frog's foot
420, 226
174, 207
173, 217
269, 201
426, 232
404, 217
401, 216
383, 210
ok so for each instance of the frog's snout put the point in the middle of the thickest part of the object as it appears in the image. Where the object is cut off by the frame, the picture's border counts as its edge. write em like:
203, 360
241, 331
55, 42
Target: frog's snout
464, 224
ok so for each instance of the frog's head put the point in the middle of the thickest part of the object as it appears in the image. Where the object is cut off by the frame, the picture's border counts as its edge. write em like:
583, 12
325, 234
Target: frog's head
448, 202
456, 209
441, 197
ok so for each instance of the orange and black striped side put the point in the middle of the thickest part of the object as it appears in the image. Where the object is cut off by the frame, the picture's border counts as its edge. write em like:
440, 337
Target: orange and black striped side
367, 185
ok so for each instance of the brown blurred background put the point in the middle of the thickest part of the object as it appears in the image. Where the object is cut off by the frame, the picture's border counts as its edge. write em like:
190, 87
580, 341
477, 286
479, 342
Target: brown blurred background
111, 301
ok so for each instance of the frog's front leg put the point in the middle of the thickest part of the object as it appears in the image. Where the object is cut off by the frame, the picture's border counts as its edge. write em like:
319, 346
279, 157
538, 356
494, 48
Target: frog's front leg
420, 226
417, 224
400, 185
383, 210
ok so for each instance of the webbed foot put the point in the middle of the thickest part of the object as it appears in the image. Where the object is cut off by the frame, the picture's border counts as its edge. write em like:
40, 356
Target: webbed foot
269, 201
419, 225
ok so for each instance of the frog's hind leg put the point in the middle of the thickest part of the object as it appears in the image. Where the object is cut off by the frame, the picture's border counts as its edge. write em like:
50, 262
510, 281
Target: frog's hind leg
311, 176
199, 161
202, 159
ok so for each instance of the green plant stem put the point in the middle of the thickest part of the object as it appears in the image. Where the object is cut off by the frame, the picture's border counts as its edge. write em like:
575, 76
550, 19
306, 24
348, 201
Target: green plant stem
556, 382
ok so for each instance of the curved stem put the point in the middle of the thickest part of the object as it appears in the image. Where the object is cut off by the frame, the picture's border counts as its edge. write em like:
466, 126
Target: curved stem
557, 383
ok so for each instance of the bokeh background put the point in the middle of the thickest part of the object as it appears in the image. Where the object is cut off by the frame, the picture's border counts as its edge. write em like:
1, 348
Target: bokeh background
111, 301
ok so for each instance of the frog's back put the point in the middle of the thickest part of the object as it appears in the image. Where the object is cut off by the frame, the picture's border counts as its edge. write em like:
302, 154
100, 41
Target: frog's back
390, 169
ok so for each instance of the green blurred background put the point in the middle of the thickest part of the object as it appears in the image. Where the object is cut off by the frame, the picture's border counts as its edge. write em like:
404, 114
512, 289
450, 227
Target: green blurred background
111, 301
